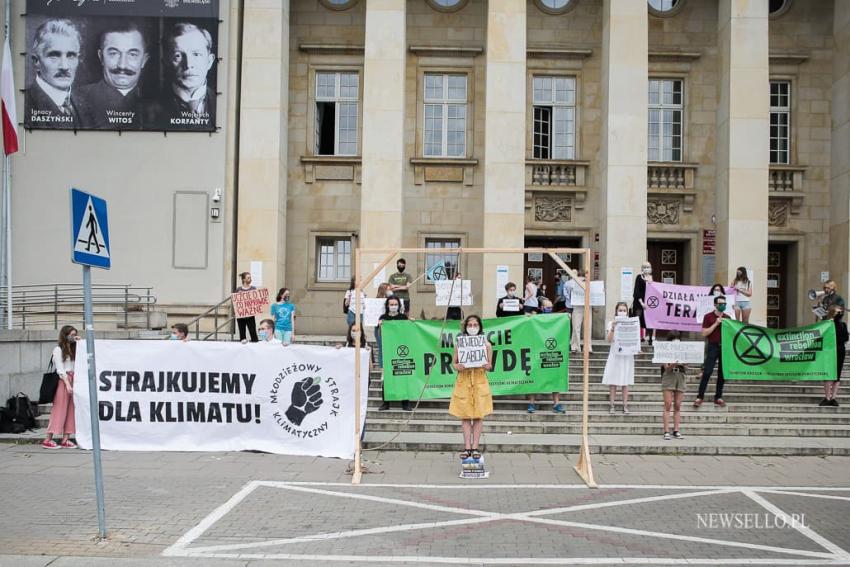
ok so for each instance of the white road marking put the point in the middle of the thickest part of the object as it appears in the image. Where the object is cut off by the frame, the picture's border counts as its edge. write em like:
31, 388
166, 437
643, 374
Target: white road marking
836, 554
793, 493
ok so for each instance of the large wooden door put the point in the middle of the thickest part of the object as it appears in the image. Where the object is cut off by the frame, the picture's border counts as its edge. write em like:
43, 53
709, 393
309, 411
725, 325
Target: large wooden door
668, 261
777, 285
544, 266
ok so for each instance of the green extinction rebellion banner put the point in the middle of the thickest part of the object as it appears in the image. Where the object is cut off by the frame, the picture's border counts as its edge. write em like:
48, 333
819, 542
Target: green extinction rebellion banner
757, 353
530, 355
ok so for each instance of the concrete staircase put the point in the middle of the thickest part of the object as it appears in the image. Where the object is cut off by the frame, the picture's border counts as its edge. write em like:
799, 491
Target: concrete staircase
761, 418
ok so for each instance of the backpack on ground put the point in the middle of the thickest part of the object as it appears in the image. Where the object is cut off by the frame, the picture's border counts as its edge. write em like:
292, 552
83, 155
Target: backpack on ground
7, 425
20, 411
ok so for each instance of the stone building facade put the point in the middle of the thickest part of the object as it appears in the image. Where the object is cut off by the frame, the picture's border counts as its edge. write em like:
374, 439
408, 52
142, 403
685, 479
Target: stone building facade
699, 134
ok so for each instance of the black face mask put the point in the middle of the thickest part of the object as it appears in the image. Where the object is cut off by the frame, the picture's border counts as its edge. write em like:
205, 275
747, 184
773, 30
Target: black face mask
838, 316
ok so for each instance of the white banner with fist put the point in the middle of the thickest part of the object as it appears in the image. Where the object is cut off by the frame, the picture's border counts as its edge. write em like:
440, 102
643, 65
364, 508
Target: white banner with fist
212, 396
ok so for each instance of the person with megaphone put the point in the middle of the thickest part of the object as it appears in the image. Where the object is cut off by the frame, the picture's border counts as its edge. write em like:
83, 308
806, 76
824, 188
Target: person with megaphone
826, 299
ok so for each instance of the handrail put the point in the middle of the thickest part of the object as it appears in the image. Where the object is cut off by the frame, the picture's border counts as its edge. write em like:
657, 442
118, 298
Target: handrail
214, 312
41, 303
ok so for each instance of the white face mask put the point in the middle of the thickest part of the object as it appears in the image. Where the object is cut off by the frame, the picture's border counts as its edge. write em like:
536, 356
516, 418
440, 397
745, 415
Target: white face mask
622, 313
393, 309
647, 271
511, 292
472, 330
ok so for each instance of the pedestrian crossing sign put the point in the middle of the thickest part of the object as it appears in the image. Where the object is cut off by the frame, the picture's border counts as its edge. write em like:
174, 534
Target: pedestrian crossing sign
89, 230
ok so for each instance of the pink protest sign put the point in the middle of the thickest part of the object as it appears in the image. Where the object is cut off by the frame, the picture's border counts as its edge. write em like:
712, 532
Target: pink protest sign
679, 307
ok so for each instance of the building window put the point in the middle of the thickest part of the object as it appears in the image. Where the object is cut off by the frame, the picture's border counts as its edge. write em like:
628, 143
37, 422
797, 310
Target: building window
554, 115
447, 5
665, 120
780, 122
445, 115
336, 113
442, 250
664, 8
338, 4
555, 7
333, 259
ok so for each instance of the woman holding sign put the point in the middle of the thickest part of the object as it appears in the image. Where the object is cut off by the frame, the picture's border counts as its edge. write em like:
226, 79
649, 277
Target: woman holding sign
620, 367
471, 398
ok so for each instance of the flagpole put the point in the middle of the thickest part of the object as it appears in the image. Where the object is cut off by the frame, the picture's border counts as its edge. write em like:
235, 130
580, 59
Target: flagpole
7, 193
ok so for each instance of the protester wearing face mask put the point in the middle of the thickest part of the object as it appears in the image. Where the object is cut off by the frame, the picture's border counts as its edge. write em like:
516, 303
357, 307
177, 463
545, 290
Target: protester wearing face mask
638, 294
283, 311
830, 389
392, 312
471, 398
673, 380
266, 333
619, 368
713, 353
514, 305
179, 332
743, 294
400, 283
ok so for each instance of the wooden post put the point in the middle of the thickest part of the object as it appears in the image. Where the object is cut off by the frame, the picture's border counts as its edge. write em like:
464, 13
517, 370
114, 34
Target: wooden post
584, 467
357, 334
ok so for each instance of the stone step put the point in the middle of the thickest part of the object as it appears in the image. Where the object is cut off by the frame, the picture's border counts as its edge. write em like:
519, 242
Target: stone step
612, 444
546, 415
647, 406
614, 426
731, 397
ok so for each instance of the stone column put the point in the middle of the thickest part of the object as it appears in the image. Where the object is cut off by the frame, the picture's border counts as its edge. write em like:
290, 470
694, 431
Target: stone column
382, 189
623, 150
743, 146
263, 140
839, 222
504, 145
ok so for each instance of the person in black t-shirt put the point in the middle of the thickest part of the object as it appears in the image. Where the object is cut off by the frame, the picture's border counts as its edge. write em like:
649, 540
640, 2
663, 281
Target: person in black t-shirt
392, 312
510, 298
830, 389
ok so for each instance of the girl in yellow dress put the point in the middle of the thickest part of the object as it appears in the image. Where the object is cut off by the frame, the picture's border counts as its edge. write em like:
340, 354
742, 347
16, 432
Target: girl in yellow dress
471, 398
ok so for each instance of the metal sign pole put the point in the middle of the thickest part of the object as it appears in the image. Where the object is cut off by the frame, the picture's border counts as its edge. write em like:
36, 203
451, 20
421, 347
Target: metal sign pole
93, 405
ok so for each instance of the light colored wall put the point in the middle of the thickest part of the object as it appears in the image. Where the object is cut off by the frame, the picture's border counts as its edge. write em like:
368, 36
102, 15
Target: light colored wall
138, 174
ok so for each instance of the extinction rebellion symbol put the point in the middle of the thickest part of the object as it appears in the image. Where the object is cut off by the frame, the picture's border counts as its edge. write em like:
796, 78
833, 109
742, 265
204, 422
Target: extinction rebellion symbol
551, 343
752, 346
652, 302
402, 350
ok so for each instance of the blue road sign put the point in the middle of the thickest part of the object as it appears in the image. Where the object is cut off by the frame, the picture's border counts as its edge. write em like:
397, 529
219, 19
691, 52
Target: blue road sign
89, 230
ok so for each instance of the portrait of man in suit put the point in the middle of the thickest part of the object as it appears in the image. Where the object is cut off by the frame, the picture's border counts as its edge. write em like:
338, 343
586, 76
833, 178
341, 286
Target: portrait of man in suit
116, 101
50, 100
188, 101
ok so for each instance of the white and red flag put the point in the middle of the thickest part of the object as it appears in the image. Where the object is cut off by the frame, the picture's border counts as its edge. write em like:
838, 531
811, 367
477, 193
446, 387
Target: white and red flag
7, 92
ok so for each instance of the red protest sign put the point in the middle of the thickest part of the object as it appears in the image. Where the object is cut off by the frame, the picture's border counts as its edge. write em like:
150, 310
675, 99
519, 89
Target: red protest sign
250, 303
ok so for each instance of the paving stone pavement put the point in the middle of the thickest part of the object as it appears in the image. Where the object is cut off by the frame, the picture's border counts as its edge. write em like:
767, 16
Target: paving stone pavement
412, 509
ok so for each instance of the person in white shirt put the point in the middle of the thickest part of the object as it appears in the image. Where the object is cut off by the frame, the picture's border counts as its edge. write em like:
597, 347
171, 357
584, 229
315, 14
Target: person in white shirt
62, 413
266, 333
530, 304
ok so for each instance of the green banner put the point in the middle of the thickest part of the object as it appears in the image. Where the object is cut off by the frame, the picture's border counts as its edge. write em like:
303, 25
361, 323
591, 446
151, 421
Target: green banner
758, 353
530, 355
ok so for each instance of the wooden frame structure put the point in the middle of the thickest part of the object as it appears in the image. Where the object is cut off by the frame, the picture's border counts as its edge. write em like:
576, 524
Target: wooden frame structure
584, 467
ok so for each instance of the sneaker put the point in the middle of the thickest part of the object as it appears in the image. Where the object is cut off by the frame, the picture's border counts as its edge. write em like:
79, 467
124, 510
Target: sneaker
68, 444
531, 408
697, 402
384, 406
405, 406
666, 436
677, 435
49, 444
626, 410
720, 403
611, 409
833, 403
558, 408
824, 402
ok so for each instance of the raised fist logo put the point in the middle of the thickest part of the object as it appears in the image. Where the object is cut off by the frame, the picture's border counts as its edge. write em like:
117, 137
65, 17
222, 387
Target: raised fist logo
306, 398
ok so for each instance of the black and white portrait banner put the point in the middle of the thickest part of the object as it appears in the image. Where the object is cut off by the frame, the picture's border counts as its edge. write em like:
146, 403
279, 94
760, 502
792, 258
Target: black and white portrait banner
213, 396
